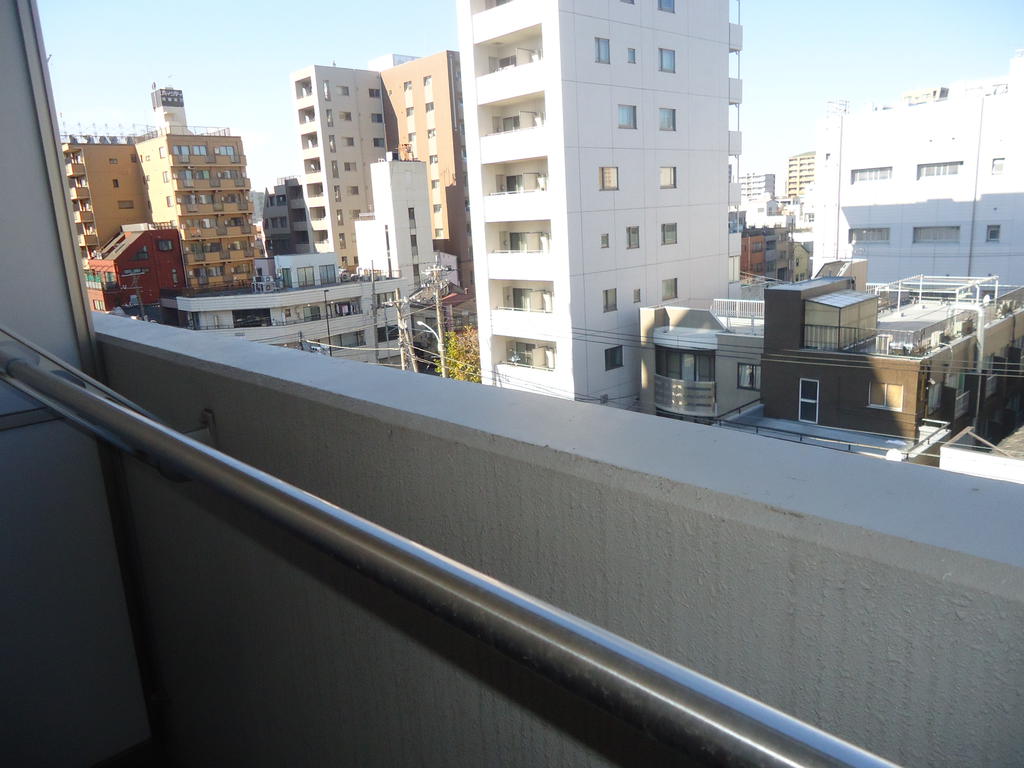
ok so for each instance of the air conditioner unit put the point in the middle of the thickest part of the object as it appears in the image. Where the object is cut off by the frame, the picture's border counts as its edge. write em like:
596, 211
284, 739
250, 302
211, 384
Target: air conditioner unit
936, 338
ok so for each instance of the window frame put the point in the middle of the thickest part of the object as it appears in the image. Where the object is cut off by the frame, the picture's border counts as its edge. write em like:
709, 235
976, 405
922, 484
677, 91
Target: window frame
610, 299
801, 400
667, 228
664, 112
613, 358
661, 171
754, 377
661, 60
631, 123
602, 50
631, 241
883, 405
665, 295
608, 178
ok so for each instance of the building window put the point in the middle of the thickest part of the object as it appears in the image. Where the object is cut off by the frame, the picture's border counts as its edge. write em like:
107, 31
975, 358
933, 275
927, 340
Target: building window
669, 234
871, 174
627, 116
98, 304
163, 152
669, 288
116, 183
608, 176
602, 50
997, 165
328, 274
684, 366
604, 240
666, 119
433, 159
379, 143
112, 160
632, 237
667, 5
169, 201
667, 177
936, 234
376, 117
808, 401
353, 190
411, 137
888, 396
938, 169
125, 204
748, 376
636, 295
409, 111
346, 116
374, 93
631, 55
427, 80
407, 86
432, 134
164, 245
610, 296
992, 233
666, 60
612, 358
435, 183
869, 235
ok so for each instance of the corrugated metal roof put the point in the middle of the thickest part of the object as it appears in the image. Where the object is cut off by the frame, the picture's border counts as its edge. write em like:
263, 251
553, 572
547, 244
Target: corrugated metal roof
843, 298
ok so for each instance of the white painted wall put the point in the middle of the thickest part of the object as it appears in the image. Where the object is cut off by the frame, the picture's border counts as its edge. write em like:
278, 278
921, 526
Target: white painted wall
969, 127
981, 464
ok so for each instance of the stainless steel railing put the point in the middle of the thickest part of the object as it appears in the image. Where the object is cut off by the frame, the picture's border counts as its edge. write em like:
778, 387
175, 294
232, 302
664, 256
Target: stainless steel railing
665, 700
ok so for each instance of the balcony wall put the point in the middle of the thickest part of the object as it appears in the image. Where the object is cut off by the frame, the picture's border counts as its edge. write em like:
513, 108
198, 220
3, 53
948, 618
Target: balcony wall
517, 206
514, 145
880, 611
511, 82
501, 20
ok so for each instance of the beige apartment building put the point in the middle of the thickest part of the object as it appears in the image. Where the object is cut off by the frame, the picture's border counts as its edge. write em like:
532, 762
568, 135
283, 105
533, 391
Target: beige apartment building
424, 121
106, 188
340, 119
800, 174
195, 178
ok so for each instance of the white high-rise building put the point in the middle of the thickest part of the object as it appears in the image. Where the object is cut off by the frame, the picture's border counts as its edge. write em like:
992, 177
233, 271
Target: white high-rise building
754, 186
933, 185
598, 144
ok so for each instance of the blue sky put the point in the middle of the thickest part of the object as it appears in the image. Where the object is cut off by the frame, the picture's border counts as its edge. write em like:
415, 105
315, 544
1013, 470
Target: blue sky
232, 60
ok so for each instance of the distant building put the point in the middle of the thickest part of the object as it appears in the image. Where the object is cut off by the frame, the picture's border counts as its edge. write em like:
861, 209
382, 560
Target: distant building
930, 186
196, 180
757, 185
424, 120
284, 218
800, 174
134, 267
106, 188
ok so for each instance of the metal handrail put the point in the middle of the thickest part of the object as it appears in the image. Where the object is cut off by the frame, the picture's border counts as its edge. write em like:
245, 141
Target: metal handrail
661, 698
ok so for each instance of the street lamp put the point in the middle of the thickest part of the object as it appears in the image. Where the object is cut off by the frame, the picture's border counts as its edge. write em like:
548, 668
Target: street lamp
440, 349
327, 316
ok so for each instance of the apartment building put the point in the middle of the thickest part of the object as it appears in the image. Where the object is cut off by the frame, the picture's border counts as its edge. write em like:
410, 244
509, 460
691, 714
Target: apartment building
599, 149
106, 188
195, 179
754, 186
800, 174
285, 218
929, 186
134, 267
424, 121
339, 113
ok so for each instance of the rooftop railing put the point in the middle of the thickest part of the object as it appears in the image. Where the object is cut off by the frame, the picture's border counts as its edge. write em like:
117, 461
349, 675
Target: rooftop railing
664, 700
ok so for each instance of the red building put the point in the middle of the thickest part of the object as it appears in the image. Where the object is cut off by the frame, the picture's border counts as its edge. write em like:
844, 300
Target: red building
134, 266
752, 254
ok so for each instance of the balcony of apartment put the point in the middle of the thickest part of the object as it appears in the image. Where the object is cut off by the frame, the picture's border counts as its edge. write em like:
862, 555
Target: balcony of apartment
84, 217
735, 90
312, 166
683, 397
735, 193
494, 19
79, 193
510, 67
254, 615
307, 116
520, 251
735, 38
522, 308
310, 144
521, 361
88, 238
74, 168
513, 130
516, 191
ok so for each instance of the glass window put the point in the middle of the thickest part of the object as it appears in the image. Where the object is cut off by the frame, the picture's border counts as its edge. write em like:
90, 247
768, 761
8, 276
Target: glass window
631, 55
604, 240
667, 5
666, 119
608, 177
869, 235
602, 50
870, 174
632, 237
305, 276
936, 234
667, 177
888, 396
164, 245
610, 299
627, 116
613, 358
666, 60
808, 401
992, 233
669, 288
997, 165
636, 295
748, 376
938, 169
669, 234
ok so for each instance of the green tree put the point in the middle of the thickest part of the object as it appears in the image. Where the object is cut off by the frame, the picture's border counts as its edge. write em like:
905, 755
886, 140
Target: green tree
462, 349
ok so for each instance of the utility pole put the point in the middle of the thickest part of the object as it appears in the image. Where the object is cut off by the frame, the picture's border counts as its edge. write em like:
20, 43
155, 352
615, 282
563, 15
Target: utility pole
404, 341
373, 312
436, 284
327, 315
